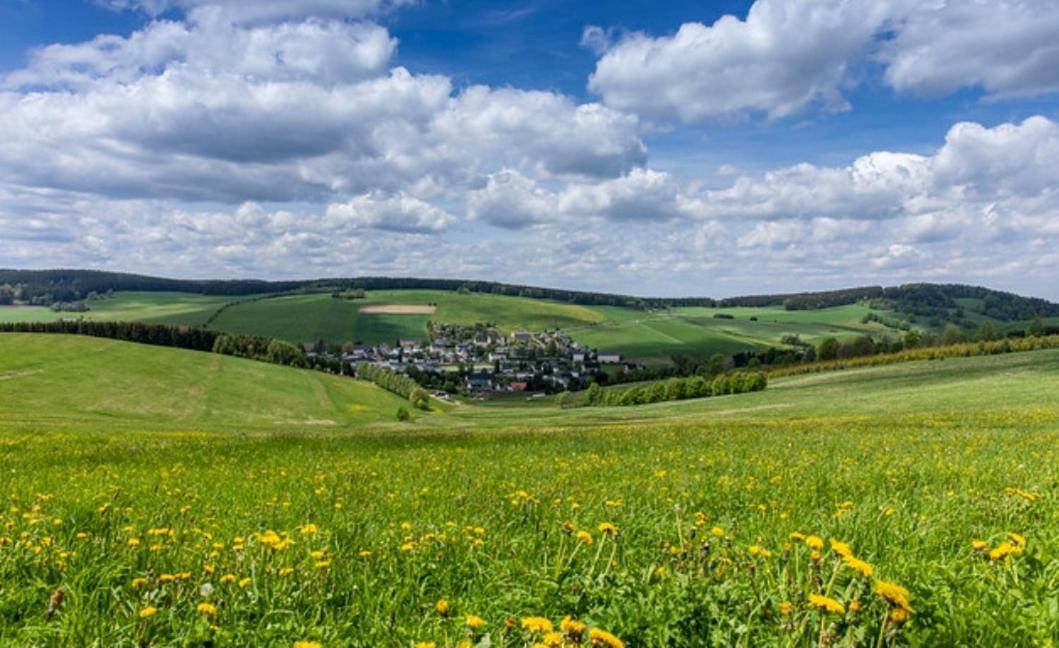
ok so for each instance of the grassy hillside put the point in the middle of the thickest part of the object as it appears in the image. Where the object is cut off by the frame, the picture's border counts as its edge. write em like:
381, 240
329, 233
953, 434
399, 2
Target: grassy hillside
76, 382
150, 307
666, 525
311, 317
696, 333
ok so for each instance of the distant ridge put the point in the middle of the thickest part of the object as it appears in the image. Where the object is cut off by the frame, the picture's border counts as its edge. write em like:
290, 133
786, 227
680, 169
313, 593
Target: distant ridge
919, 298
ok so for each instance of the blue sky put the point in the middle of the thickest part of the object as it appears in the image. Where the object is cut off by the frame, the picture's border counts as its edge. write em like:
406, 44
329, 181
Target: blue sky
653, 148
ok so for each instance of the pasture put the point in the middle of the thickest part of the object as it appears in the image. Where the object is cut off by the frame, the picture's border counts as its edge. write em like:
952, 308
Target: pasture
904, 504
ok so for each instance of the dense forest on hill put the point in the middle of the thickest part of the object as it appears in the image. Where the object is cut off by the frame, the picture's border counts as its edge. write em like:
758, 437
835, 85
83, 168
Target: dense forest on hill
940, 301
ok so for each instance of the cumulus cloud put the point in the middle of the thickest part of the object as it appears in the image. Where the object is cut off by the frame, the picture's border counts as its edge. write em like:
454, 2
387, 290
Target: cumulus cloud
262, 10
788, 55
401, 213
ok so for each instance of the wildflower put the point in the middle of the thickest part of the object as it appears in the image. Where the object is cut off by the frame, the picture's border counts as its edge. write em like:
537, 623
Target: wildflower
1003, 550
858, 565
717, 532
206, 589
797, 537
308, 529
786, 607
148, 612
442, 607
980, 545
307, 644
841, 548
475, 623
584, 537
895, 594
1016, 539
245, 582
139, 582
899, 615
573, 629
227, 578
285, 571
815, 543
166, 578
598, 637
552, 640
537, 625
826, 604
426, 644
606, 528
205, 609
855, 605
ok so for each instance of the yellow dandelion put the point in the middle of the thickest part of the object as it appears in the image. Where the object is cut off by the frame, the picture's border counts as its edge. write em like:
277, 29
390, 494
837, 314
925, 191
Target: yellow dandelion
896, 595
584, 537
442, 607
537, 625
148, 612
206, 609
717, 532
858, 565
786, 607
608, 529
1016, 539
598, 637
980, 545
308, 644
552, 640
574, 629
826, 604
815, 543
841, 548
475, 623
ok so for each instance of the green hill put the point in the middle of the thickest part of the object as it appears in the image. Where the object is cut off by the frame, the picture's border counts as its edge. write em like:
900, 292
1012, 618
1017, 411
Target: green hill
71, 382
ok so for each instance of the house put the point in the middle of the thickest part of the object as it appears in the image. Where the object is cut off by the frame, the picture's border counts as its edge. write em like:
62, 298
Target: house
479, 382
408, 343
518, 386
609, 358
521, 336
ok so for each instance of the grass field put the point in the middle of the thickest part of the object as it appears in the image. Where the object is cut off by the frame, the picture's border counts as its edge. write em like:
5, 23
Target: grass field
696, 333
311, 317
173, 514
150, 307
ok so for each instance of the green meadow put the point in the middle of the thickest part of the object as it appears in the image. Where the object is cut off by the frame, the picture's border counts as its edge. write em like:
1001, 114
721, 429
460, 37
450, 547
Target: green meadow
164, 497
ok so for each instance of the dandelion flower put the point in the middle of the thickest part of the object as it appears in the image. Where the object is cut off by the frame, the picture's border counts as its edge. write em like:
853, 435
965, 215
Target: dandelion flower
815, 543
826, 604
475, 622
442, 607
552, 640
537, 625
308, 644
606, 528
584, 537
896, 595
598, 637
148, 612
858, 565
786, 607
206, 609
980, 545
841, 548
573, 629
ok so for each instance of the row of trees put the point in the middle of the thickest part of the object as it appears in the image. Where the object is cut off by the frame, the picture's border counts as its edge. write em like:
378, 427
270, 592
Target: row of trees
396, 383
959, 350
184, 337
255, 347
736, 382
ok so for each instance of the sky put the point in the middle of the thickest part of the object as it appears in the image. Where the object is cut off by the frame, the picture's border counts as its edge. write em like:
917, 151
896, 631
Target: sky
658, 149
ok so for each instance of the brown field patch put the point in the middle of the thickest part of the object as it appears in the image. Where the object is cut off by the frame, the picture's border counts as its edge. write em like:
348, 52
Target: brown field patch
397, 309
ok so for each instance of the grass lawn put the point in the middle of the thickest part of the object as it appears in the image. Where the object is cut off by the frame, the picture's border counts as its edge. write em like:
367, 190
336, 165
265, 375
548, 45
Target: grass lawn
180, 498
150, 307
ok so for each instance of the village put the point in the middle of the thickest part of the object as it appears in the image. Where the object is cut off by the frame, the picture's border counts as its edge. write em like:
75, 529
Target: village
480, 360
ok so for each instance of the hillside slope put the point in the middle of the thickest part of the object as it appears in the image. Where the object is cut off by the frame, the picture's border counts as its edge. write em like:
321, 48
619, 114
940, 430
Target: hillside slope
71, 381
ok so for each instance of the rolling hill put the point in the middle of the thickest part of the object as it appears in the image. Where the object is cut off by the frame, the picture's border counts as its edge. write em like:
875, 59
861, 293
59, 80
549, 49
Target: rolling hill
70, 381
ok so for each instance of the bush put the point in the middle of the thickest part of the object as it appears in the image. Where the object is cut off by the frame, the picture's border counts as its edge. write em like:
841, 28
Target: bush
403, 414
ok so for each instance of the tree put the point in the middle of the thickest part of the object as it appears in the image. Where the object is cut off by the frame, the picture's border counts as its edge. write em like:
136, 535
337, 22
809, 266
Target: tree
986, 332
1037, 327
951, 335
829, 349
675, 389
593, 395
716, 365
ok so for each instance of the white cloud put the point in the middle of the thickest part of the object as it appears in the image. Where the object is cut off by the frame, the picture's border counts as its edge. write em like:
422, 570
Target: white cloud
1006, 47
262, 10
788, 55
513, 201
401, 213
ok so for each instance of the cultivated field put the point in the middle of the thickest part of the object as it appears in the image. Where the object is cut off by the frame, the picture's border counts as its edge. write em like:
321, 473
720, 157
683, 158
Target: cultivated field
904, 504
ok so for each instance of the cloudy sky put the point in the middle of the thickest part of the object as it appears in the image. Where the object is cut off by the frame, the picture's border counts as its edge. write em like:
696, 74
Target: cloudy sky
677, 148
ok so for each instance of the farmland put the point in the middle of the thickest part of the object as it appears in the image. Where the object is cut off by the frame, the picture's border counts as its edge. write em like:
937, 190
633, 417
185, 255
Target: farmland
176, 505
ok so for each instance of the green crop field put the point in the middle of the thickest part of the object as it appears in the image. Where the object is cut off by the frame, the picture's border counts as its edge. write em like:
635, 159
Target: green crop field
312, 317
162, 497
150, 307
696, 333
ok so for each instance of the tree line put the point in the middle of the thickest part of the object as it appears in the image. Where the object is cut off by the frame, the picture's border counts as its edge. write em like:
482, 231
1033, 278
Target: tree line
673, 389
395, 383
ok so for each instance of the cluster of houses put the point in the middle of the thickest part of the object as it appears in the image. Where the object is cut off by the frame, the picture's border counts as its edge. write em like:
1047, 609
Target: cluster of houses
479, 359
